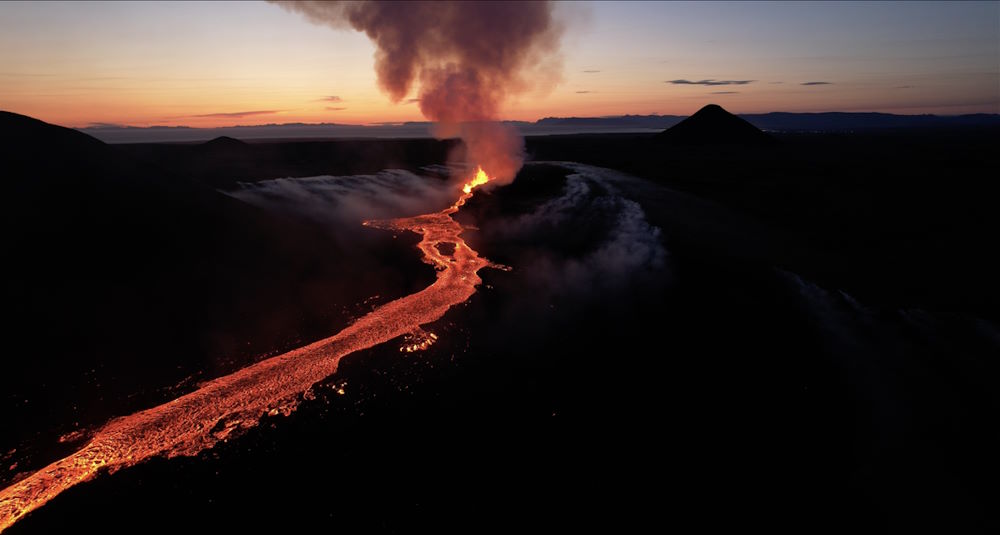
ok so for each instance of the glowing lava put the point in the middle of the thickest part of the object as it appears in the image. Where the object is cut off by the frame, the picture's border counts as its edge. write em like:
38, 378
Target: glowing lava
478, 180
196, 421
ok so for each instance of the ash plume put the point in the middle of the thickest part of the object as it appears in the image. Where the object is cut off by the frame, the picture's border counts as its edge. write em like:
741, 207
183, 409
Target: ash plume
466, 57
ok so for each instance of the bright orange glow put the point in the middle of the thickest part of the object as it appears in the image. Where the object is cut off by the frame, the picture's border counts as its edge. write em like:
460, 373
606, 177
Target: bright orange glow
200, 419
418, 340
478, 180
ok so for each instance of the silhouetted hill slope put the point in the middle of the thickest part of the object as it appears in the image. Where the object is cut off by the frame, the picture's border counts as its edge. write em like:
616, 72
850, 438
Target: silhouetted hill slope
224, 146
21, 131
713, 125
29, 144
224, 142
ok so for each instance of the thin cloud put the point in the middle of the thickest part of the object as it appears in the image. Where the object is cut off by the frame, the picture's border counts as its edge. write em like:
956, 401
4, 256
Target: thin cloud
584, 92
904, 87
709, 82
412, 100
26, 74
591, 71
816, 83
724, 92
335, 108
237, 114
332, 98
776, 82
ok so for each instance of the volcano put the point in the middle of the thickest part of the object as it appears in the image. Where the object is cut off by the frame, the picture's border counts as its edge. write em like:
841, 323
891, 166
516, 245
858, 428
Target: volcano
225, 142
712, 125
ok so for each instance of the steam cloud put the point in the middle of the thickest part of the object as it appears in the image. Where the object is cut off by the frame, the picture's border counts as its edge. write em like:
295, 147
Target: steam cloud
467, 57
344, 201
591, 240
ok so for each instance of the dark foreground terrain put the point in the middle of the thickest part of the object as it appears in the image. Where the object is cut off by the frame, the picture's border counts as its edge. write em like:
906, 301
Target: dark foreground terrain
800, 336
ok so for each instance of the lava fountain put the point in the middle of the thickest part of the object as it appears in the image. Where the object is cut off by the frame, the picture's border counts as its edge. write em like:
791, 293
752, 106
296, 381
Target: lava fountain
198, 420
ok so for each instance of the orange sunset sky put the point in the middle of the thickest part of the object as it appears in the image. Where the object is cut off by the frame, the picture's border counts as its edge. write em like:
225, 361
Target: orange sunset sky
230, 63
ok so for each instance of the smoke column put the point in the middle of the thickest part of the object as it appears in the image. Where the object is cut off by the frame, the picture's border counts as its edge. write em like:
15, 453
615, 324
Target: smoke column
467, 57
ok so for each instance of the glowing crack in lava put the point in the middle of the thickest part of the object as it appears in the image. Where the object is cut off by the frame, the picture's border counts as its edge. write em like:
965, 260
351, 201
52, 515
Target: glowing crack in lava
200, 419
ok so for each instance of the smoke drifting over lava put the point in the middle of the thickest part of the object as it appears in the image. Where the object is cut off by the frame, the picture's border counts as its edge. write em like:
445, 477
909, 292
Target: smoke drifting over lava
468, 58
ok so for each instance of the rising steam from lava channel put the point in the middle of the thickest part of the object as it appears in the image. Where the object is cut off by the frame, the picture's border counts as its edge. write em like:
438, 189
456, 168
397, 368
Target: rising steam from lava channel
199, 420
468, 58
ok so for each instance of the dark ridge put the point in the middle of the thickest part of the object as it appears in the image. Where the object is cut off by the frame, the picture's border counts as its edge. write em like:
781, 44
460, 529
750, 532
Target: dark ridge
224, 142
18, 130
713, 125
30, 144
227, 150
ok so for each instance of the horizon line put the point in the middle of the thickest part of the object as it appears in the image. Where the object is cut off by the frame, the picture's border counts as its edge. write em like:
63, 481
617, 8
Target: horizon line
102, 125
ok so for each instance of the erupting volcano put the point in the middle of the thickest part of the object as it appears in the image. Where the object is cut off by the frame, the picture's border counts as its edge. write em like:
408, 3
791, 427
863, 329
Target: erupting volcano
210, 204
200, 419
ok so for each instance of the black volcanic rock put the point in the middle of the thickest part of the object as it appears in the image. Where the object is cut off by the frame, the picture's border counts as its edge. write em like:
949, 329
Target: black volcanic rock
713, 125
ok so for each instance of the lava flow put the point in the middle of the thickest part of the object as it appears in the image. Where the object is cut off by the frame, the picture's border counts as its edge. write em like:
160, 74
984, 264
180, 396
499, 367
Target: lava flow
200, 419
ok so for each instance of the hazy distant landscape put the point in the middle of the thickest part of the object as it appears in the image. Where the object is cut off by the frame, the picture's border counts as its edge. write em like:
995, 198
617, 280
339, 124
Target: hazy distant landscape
776, 121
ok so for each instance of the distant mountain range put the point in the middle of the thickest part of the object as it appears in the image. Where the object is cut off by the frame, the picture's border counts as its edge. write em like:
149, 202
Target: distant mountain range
771, 122
792, 122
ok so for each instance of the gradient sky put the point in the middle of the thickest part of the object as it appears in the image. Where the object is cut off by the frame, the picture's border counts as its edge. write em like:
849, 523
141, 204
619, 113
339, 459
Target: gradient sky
228, 63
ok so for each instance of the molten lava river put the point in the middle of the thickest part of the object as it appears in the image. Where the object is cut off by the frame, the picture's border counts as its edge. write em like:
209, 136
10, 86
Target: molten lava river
200, 419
